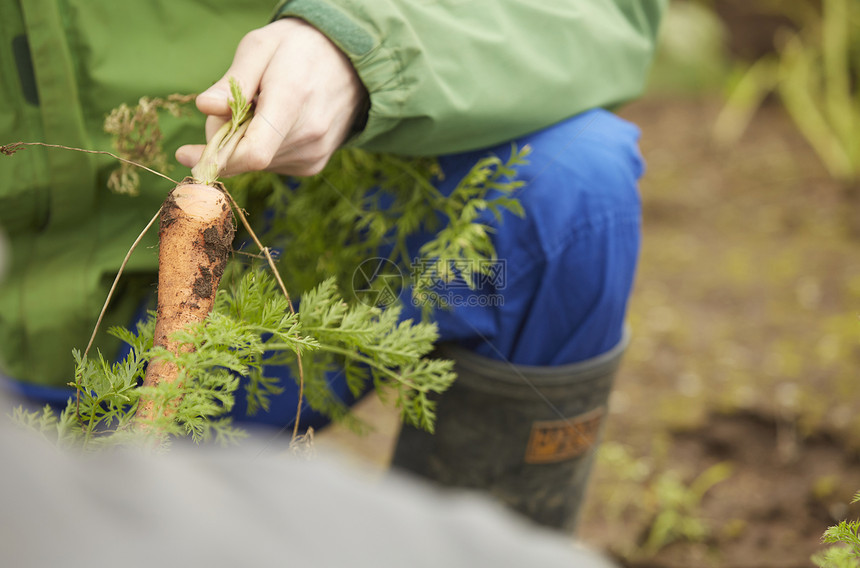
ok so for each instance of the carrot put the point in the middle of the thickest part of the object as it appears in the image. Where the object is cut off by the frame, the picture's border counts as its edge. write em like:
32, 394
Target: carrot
195, 239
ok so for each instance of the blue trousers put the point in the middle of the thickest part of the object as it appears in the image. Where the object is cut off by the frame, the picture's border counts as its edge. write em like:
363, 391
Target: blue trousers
559, 291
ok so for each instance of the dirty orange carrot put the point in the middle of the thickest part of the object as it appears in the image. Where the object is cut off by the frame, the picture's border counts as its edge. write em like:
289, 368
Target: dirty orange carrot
195, 240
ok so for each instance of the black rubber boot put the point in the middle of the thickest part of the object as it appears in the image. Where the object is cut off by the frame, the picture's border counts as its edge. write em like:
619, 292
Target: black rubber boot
527, 435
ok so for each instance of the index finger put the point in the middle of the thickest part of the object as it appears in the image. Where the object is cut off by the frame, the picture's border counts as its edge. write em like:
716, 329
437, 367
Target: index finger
249, 64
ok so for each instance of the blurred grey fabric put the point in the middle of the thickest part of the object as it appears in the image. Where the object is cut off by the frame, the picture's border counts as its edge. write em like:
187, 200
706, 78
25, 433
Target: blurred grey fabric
246, 507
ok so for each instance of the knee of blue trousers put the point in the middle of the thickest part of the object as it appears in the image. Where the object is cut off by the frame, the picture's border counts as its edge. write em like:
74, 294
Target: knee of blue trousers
565, 270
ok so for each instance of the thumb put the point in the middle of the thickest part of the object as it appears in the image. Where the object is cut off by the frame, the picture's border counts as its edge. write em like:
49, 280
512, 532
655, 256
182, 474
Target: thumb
215, 100
189, 154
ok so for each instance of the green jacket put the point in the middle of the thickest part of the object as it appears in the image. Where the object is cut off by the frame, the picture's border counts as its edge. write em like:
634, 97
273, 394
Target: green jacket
443, 76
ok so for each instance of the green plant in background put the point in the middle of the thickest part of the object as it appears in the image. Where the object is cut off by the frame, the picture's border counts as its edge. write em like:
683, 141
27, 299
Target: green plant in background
845, 540
691, 56
658, 497
678, 504
811, 73
627, 484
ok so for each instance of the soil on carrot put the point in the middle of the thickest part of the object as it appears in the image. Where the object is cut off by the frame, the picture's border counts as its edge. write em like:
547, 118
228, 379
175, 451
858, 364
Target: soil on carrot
745, 353
168, 213
202, 286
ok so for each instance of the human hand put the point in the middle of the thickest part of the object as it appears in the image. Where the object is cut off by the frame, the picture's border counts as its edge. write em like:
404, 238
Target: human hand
308, 98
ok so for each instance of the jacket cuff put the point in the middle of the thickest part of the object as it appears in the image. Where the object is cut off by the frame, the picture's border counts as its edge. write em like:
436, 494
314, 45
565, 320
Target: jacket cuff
377, 66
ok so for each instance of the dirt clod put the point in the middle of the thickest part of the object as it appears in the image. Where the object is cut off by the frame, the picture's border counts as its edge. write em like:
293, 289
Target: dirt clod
168, 212
202, 286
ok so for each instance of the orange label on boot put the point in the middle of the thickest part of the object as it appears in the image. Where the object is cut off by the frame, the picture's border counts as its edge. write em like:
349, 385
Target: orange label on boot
559, 440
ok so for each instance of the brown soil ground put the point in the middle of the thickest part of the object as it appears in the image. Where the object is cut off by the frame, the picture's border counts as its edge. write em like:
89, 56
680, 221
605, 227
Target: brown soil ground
745, 353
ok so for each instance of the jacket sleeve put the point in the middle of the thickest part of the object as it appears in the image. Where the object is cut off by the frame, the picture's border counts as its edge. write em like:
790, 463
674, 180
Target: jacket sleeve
453, 75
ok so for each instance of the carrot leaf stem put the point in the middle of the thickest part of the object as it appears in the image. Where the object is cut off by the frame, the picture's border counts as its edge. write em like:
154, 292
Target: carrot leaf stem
222, 145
